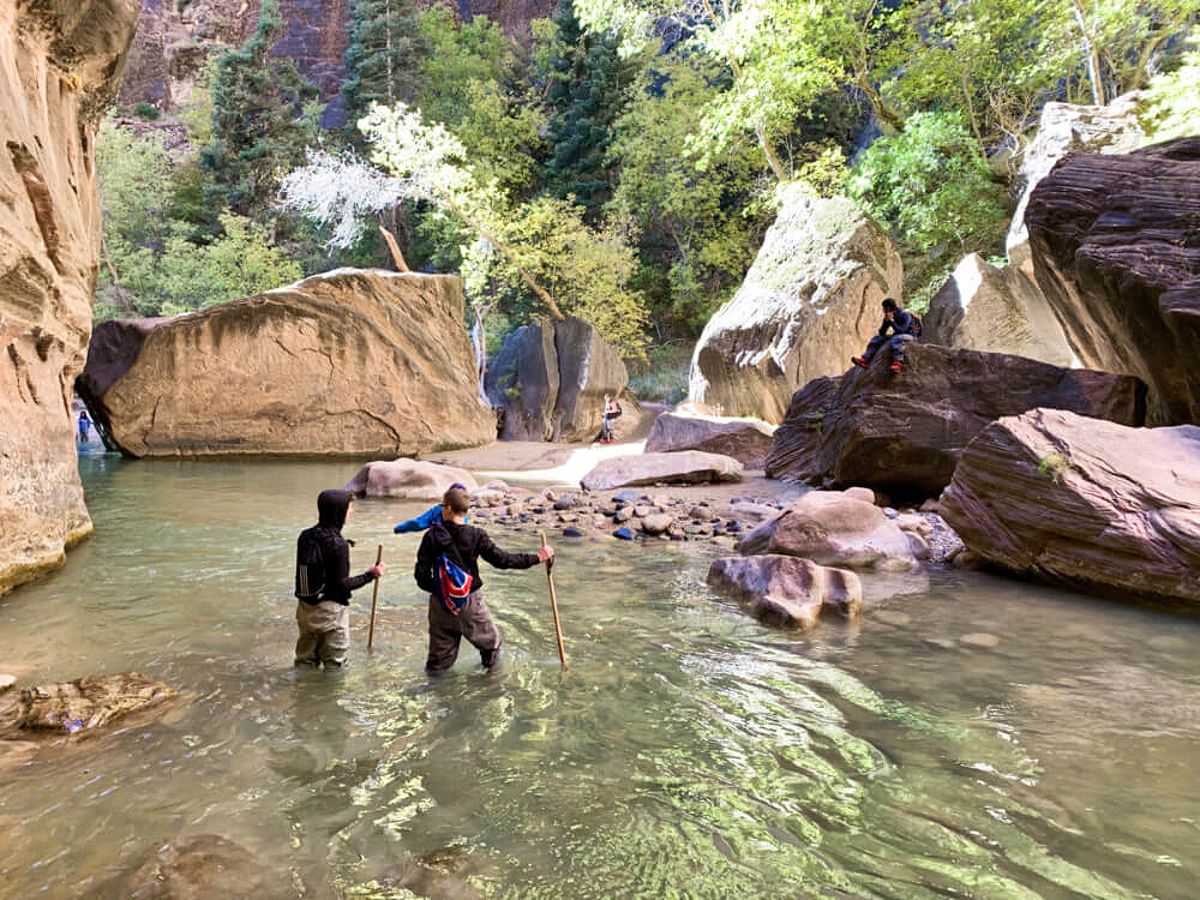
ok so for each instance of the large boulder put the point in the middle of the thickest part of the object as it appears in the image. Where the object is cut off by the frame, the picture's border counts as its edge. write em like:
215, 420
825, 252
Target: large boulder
836, 528
1085, 504
786, 591
1114, 242
903, 434
995, 309
551, 378
350, 362
86, 703
809, 302
408, 478
62, 62
746, 440
686, 467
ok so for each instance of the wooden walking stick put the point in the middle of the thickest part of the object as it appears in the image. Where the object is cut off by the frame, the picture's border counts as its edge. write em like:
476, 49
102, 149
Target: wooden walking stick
562, 653
374, 598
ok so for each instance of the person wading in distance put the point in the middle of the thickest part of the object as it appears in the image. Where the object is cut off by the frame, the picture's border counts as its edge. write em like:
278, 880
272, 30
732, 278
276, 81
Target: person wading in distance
324, 584
448, 568
905, 327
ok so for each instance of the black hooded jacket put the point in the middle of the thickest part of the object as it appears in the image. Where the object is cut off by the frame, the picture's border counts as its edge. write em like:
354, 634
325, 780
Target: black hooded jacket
464, 544
335, 549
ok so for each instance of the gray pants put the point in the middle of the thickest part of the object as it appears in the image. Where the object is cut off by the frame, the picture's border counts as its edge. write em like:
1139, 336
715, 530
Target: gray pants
896, 340
324, 633
474, 623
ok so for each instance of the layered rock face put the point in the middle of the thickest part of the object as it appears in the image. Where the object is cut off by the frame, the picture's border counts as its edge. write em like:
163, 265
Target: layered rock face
998, 310
746, 440
1117, 254
903, 434
349, 362
1086, 504
60, 61
809, 302
551, 378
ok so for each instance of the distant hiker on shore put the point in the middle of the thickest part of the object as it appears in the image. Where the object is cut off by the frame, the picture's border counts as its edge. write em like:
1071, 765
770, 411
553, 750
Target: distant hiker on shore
904, 326
612, 410
324, 584
448, 568
427, 519
85, 426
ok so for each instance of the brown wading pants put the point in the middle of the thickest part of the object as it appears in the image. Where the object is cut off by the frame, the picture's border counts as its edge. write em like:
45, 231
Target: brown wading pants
474, 623
324, 633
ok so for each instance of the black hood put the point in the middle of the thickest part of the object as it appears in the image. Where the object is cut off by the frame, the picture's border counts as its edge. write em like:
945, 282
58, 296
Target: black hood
331, 508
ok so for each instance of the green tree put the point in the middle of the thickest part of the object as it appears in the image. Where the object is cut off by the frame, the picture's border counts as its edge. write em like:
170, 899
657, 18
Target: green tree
384, 56
1172, 104
263, 118
585, 87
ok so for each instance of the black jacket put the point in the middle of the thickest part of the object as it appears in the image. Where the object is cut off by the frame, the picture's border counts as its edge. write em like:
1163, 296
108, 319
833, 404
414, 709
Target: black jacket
464, 544
902, 323
335, 549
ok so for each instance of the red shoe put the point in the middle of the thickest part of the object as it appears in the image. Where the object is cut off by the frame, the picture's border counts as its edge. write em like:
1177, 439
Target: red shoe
861, 361
896, 367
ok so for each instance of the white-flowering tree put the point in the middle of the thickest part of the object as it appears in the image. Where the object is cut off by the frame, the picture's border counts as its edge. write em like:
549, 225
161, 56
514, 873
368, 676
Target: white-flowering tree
339, 191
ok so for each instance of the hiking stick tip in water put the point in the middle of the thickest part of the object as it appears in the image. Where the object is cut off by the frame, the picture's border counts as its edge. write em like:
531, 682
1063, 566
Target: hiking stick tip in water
562, 653
374, 599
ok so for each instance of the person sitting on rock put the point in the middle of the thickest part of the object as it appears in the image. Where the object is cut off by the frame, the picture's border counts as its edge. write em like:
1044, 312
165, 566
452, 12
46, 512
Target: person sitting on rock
324, 584
904, 328
427, 519
448, 568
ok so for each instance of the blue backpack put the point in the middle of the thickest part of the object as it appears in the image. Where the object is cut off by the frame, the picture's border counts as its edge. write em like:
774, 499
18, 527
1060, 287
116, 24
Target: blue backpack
454, 585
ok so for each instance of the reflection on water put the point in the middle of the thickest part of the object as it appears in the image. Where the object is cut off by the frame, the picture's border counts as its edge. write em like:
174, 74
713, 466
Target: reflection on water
688, 752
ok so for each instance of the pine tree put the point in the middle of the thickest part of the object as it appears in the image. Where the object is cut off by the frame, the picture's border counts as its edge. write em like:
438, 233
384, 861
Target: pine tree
261, 121
586, 96
383, 59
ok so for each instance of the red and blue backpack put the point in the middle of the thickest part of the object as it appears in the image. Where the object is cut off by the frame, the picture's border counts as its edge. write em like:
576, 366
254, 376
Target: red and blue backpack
454, 585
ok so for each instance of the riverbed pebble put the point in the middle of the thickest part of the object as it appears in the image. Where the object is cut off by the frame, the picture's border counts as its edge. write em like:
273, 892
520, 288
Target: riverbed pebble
980, 640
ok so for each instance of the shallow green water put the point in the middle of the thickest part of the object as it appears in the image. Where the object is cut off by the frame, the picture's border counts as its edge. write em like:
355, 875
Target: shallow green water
689, 752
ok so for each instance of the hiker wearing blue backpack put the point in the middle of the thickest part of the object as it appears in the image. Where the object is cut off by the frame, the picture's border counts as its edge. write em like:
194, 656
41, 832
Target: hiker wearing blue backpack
448, 569
904, 326
324, 584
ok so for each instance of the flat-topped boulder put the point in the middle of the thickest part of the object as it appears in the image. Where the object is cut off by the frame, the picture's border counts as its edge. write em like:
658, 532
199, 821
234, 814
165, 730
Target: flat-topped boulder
808, 303
685, 467
550, 378
1085, 504
1115, 252
411, 479
903, 434
87, 703
786, 591
836, 528
62, 64
349, 362
746, 440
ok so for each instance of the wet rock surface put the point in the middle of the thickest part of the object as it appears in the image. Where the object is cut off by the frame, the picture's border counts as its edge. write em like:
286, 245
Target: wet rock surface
1117, 254
347, 362
786, 591
1085, 504
204, 866
85, 704
903, 434
746, 440
62, 63
809, 302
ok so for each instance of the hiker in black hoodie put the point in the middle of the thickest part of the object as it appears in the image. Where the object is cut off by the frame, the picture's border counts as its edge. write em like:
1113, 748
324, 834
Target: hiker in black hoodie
324, 584
456, 607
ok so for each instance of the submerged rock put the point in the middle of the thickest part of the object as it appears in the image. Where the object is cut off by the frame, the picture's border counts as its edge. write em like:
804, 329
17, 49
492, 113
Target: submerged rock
89, 702
551, 378
62, 65
1114, 241
408, 478
348, 362
686, 467
204, 866
903, 434
786, 591
809, 302
834, 529
1085, 504
746, 440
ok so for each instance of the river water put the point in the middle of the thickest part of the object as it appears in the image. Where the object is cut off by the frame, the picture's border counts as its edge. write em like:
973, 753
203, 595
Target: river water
688, 752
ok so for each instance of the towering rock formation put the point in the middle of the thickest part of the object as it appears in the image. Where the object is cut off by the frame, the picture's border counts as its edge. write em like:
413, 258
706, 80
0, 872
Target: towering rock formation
60, 61
809, 302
